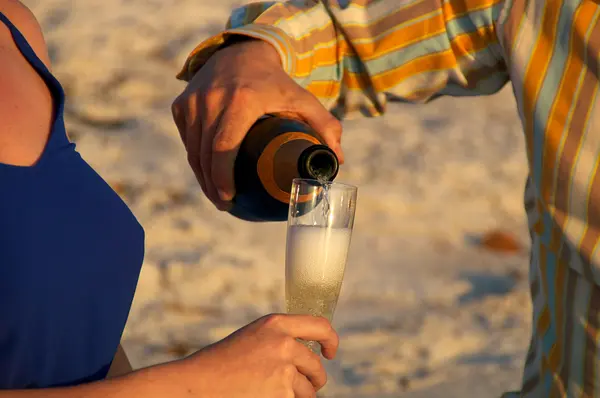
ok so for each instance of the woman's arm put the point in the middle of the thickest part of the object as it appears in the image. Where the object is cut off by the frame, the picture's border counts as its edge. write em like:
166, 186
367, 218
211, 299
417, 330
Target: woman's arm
26, 106
23, 18
157, 382
264, 357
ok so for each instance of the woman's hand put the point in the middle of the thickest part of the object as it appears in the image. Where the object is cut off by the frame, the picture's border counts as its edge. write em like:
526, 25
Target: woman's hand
264, 360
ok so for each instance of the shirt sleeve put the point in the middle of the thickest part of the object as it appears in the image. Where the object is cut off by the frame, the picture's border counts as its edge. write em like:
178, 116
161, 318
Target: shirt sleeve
354, 54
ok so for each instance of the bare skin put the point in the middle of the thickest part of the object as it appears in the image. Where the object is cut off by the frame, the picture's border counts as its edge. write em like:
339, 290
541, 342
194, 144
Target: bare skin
237, 86
261, 360
26, 107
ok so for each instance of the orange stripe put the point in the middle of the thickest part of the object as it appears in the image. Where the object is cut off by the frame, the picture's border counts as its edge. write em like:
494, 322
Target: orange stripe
555, 358
377, 48
558, 116
545, 318
543, 322
445, 60
326, 56
402, 38
513, 27
469, 43
321, 89
373, 28
564, 98
433, 62
457, 9
429, 63
536, 71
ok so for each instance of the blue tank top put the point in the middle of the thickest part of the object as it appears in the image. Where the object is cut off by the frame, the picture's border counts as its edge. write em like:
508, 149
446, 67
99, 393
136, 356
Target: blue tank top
70, 257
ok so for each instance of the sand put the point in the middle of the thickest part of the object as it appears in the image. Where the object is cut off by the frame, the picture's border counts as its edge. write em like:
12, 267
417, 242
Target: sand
424, 311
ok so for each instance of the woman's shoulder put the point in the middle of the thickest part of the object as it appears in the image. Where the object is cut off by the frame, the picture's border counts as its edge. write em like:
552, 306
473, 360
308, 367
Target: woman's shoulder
25, 100
22, 17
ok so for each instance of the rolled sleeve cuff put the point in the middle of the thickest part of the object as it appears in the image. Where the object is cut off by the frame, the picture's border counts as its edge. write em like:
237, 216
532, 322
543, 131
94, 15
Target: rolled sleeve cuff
272, 35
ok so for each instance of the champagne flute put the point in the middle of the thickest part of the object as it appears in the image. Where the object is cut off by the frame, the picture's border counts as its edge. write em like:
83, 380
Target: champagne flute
320, 222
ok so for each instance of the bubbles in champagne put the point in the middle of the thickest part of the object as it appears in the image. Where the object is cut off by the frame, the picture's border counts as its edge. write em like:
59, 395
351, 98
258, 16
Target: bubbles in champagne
312, 300
315, 263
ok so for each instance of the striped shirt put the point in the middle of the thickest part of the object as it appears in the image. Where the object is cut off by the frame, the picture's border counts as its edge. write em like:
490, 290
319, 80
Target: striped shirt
355, 54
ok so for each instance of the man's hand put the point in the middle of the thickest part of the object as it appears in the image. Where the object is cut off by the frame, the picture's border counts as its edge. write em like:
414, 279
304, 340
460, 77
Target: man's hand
264, 360
237, 86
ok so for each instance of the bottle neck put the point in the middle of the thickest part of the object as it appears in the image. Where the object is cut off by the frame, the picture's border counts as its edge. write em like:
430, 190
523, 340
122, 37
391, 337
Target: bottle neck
318, 162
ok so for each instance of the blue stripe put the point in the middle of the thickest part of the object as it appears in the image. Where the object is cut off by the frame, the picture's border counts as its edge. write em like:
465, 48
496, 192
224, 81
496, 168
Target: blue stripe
472, 21
549, 338
564, 357
413, 52
579, 335
395, 58
238, 17
538, 305
322, 74
489, 85
547, 380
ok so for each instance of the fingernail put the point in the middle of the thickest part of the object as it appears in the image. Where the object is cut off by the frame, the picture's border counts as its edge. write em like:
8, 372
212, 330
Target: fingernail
224, 195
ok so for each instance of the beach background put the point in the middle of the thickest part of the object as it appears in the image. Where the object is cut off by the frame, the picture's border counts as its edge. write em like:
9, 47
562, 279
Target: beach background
435, 300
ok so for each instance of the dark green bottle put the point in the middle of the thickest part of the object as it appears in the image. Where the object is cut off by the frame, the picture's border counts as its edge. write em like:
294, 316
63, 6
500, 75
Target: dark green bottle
274, 152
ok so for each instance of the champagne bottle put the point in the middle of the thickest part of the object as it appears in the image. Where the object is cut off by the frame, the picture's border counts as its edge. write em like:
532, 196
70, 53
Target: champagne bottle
274, 152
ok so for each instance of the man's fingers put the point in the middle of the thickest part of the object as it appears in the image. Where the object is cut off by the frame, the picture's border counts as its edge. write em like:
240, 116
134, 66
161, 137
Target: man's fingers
309, 364
192, 127
210, 123
179, 119
307, 327
232, 129
303, 388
